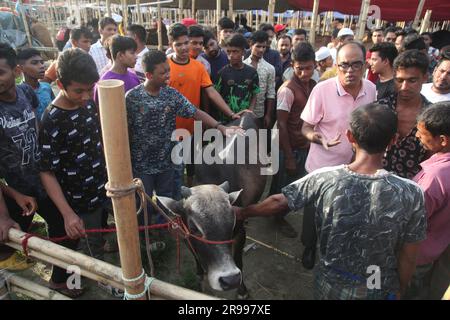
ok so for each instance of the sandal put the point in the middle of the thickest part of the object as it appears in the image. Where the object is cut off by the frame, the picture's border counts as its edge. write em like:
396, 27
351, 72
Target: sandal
62, 288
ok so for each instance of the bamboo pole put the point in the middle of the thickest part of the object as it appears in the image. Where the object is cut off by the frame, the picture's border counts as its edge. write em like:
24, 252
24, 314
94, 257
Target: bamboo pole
230, 9
180, 10
426, 22
193, 9
118, 163
218, 11
139, 12
271, 10
160, 40
257, 20
34, 290
418, 14
108, 8
363, 19
312, 32
447, 294
25, 23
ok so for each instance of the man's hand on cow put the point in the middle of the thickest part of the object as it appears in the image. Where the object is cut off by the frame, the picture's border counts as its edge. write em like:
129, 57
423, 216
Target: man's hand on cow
229, 131
6, 223
238, 212
240, 113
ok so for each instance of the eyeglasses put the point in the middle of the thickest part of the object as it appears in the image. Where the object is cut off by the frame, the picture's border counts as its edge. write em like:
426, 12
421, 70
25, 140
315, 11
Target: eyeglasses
356, 66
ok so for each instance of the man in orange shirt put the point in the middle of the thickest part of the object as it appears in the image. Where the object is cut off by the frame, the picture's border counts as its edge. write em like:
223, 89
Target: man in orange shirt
189, 77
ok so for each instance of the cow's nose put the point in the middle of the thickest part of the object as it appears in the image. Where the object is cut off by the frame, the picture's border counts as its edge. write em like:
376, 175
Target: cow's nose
230, 282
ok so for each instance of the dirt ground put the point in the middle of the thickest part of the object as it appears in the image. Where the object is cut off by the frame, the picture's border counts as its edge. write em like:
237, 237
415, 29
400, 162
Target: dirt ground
268, 274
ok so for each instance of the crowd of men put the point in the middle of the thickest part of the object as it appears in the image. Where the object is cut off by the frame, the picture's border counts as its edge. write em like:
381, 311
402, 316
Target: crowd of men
364, 139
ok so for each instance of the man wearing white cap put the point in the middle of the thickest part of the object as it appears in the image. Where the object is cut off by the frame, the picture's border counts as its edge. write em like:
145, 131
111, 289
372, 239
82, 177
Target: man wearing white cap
344, 36
323, 59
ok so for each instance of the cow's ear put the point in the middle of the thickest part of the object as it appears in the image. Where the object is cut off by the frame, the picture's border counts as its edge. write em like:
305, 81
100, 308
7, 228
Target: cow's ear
170, 206
225, 186
185, 192
234, 196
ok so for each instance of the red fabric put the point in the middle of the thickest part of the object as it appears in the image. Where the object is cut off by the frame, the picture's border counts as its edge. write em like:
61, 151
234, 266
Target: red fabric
391, 10
370, 75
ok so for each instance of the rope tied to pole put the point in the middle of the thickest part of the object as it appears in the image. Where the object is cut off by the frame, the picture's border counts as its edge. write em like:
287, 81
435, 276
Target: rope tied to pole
147, 284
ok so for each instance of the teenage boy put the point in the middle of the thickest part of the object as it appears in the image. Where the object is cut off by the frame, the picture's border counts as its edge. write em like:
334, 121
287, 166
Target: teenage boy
196, 38
216, 57
433, 131
33, 69
382, 64
238, 83
291, 100
152, 109
358, 225
123, 54
265, 99
19, 166
226, 29
72, 165
107, 27
138, 33
79, 38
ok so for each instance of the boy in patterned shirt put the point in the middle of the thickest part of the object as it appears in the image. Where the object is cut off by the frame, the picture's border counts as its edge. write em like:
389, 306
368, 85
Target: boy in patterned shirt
72, 164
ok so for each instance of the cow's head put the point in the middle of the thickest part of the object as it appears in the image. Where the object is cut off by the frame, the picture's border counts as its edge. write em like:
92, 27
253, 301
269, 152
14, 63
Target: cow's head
207, 212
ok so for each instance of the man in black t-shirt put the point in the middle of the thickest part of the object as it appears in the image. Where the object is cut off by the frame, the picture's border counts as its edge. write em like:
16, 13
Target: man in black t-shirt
19, 160
381, 63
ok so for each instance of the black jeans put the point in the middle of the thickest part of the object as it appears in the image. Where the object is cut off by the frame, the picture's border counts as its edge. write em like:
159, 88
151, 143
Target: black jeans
55, 222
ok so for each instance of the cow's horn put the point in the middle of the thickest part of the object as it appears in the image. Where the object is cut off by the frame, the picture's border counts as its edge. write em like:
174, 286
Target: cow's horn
225, 186
185, 192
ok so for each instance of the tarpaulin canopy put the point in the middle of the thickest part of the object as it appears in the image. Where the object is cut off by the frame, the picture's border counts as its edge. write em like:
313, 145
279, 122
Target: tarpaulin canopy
391, 10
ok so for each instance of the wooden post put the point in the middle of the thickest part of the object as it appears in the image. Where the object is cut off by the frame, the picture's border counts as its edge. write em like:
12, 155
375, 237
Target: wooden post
218, 11
34, 290
139, 12
180, 11
108, 8
312, 32
257, 20
230, 9
111, 96
418, 14
363, 19
193, 9
160, 40
426, 22
25, 23
125, 15
270, 11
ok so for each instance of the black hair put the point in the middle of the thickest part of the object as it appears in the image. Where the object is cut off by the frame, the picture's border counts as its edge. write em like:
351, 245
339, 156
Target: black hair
243, 20
386, 50
335, 33
400, 32
121, 44
436, 118
427, 34
196, 31
138, 31
8, 53
299, 32
266, 27
76, 65
26, 54
208, 36
152, 58
355, 43
444, 55
77, 33
373, 126
237, 40
412, 59
285, 36
378, 30
303, 52
413, 41
387, 30
177, 30
259, 37
106, 21
226, 23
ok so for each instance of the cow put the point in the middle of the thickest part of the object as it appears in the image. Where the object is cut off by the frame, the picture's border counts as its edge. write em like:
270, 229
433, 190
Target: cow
207, 209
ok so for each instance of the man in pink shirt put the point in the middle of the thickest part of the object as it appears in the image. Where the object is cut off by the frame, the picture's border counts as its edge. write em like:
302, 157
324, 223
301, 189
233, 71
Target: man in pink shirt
433, 131
326, 118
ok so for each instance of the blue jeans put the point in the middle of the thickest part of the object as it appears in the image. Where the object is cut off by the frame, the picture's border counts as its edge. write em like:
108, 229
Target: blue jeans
163, 185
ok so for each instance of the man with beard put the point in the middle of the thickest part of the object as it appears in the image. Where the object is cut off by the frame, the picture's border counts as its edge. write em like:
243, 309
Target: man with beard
439, 89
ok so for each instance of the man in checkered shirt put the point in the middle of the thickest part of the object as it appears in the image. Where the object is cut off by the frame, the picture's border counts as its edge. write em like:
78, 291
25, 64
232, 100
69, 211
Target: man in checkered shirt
107, 27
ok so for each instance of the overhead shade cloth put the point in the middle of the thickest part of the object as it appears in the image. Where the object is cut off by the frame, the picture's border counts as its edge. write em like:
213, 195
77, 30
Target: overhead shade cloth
391, 10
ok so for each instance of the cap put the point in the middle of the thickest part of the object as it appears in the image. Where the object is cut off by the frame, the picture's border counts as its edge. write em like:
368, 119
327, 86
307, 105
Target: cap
279, 27
345, 32
247, 35
188, 22
322, 53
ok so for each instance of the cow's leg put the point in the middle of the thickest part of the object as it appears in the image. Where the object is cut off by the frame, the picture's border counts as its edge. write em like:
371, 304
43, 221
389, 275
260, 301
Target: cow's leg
238, 249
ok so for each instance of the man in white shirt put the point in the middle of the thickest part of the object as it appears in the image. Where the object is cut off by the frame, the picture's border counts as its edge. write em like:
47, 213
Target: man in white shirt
439, 89
107, 27
138, 33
